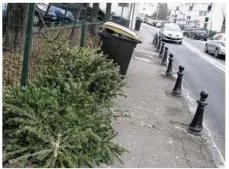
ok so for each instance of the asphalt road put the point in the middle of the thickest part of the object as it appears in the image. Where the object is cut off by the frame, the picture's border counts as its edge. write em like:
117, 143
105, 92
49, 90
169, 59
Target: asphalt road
202, 72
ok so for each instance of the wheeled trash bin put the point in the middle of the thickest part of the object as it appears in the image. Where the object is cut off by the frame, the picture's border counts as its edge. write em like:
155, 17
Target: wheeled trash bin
118, 43
138, 24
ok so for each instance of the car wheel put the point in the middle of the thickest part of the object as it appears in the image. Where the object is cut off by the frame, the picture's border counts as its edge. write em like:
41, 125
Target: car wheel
205, 39
216, 54
180, 42
36, 20
206, 49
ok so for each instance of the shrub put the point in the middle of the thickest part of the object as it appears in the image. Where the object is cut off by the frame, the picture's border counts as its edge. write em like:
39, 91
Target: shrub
62, 118
98, 75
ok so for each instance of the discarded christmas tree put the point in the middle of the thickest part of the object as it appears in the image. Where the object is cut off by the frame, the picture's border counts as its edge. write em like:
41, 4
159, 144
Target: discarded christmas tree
63, 118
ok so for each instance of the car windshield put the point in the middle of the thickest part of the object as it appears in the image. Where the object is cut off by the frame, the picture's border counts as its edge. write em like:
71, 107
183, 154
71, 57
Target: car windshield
42, 6
172, 27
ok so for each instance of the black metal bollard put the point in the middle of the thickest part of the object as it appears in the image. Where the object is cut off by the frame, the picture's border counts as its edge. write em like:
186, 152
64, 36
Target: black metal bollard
169, 71
155, 39
164, 60
162, 50
159, 45
195, 126
177, 90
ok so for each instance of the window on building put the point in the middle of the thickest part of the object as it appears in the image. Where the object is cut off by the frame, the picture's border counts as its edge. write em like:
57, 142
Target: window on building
175, 16
204, 13
144, 8
206, 19
189, 17
177, 8
190, 8
209, 7
200, 13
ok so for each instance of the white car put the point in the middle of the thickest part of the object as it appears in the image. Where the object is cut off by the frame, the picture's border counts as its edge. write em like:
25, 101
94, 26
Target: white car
158, 24
216, 45
171, 32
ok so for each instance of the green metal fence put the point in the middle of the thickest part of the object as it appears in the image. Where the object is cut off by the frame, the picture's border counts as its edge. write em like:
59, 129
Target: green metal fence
22, 59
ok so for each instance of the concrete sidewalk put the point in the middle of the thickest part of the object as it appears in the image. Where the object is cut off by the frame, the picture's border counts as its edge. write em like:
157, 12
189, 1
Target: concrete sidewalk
152, 123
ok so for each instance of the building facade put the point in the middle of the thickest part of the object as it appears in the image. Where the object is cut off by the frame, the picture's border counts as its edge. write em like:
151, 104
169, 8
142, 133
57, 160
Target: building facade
203, 15
131, 12
146, 9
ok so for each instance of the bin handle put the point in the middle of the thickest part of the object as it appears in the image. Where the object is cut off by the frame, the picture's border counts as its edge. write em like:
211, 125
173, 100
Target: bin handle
120, 37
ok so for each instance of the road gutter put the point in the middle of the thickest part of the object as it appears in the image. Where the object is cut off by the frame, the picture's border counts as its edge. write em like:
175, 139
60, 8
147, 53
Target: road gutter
216, 154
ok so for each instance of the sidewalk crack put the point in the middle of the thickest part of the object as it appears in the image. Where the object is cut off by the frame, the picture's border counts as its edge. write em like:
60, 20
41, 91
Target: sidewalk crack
174, 122
185, 154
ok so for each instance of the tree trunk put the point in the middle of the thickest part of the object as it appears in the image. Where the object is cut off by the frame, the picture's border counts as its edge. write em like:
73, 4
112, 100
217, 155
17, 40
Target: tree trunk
108, 12
95, 12
16, 27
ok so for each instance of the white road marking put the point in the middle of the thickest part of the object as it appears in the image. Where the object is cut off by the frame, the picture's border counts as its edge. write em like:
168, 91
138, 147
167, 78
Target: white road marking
204, 56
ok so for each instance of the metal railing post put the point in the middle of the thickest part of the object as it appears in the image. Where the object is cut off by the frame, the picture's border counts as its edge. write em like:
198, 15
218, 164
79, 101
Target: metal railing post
27, 46
82, 37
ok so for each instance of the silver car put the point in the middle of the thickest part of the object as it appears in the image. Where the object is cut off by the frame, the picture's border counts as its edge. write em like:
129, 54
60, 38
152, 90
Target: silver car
216, 45
171, 32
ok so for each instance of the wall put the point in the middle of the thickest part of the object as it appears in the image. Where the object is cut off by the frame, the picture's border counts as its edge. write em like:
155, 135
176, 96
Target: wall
126, 11
147, 8
216, 17
117, 9
134, 13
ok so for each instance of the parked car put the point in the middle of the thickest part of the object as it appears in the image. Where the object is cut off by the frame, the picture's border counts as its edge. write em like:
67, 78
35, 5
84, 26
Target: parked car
55, 14
145, 20
171, 32
198, 34
4, 18
159, 24
216, 45
187, 30
151, 22
41, 8
182, 27
120, 20
155, 23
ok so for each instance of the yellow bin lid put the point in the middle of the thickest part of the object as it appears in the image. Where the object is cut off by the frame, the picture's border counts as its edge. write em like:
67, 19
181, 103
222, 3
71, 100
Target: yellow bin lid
122, 30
